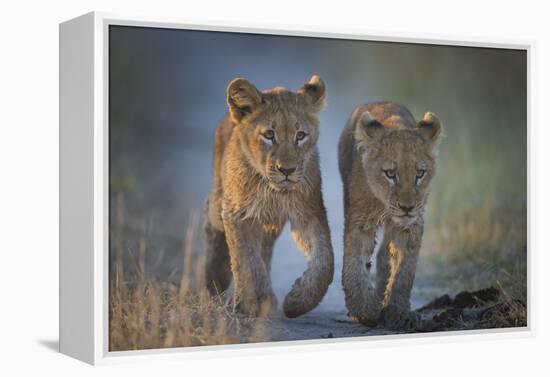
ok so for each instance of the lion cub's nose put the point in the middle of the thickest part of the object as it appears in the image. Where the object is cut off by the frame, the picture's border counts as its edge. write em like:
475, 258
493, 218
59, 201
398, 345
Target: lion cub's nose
406, 209
286, 171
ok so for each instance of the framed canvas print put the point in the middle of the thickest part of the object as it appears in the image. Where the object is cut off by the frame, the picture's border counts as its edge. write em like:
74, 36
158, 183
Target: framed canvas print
233, 188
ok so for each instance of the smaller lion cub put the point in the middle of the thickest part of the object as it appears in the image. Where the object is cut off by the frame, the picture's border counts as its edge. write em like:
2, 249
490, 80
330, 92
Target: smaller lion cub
266, 173
387, 162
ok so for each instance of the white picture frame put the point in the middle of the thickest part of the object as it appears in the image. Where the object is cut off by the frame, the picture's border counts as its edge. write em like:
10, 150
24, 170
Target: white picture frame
84, 187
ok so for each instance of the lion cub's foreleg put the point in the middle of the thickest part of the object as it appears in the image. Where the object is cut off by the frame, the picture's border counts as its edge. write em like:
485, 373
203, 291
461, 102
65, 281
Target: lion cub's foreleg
253, 294
359, 249
396, 268
310, 231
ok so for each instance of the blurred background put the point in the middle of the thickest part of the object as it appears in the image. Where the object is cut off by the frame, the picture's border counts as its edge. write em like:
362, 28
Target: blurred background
167, 95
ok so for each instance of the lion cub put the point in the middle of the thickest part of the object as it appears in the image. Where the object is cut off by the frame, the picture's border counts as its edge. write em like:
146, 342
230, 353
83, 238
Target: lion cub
266, 172
387, 162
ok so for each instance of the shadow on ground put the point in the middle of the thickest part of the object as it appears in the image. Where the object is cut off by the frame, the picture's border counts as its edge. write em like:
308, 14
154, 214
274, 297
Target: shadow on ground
52, 345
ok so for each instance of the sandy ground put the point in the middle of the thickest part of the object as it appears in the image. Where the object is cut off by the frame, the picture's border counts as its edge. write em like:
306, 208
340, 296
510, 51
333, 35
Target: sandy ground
329, 320
319, 324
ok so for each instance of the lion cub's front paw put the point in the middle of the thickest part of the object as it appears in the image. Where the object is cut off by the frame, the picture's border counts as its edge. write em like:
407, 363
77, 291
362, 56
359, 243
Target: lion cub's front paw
256, 307
401, 320
293, 306
367, 319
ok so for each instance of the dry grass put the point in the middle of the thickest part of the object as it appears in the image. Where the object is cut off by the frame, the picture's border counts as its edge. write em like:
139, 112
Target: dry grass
476, 236
475, 248
504, 315
479, 250
155, 315
146, 314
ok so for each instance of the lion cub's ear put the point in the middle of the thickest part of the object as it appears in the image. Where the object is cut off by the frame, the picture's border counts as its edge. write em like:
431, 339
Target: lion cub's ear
242, 98
314, 92
431, 129
367, 129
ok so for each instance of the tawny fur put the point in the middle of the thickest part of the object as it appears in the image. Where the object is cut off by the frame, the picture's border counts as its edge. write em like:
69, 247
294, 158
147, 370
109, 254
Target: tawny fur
384, 137
251, 199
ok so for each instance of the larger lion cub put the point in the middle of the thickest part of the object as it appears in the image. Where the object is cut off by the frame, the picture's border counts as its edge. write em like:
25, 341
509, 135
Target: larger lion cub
266, 172
387, 162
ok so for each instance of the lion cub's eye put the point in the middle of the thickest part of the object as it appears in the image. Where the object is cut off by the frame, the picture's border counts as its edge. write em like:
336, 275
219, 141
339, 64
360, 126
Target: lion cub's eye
420, 173
269, 134
300, 135
390, 174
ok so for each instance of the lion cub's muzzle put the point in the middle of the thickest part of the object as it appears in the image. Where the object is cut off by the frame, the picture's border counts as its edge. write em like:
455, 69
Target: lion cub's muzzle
405, 214
283, 177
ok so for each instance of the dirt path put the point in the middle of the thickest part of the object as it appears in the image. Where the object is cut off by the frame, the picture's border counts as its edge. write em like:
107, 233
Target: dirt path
466, 310
319, 325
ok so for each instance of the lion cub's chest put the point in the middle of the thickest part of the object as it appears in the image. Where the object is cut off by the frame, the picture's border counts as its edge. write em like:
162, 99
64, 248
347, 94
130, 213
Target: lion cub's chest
270, 208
